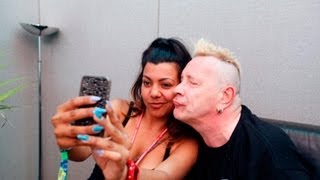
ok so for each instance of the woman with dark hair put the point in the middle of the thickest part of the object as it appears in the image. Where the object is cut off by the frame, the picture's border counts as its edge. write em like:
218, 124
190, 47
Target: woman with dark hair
139, 134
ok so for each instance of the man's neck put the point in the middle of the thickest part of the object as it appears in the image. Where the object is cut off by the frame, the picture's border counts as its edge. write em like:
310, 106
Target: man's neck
217, 130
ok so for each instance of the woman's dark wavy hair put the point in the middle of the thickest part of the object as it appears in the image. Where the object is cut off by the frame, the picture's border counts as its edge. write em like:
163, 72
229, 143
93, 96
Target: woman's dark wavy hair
163, 50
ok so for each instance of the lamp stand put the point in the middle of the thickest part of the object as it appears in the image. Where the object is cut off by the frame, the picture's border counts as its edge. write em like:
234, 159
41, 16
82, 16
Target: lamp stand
40, 31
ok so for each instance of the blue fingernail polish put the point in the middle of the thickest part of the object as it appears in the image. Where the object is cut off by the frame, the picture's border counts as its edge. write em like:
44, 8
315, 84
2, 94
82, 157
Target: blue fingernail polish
98, 112
97, 128
83, 137
95, 98
99, 152
99, 116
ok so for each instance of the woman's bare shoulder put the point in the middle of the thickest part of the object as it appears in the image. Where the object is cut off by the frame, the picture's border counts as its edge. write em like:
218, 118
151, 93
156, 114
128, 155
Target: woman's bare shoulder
120, 106
191, 143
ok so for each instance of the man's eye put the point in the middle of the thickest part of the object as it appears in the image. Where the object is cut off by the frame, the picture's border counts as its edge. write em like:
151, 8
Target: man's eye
193, 83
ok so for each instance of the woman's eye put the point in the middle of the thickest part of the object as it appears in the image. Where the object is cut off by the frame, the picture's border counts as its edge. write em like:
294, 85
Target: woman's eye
146, 83
166, 85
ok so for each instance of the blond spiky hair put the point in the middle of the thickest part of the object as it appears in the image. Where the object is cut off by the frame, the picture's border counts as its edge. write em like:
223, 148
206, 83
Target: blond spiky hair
205, 48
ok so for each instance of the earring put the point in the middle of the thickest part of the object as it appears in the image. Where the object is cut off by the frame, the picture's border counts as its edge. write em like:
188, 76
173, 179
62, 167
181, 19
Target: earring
220, 111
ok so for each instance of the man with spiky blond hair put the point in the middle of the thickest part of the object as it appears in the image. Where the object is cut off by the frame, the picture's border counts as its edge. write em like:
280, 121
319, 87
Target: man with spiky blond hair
236, 143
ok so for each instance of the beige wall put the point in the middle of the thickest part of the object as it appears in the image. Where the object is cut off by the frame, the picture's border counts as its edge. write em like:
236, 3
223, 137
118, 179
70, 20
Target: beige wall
276, 42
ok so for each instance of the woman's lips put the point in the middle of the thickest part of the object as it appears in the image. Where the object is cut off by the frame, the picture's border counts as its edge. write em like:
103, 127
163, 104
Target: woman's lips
156, 105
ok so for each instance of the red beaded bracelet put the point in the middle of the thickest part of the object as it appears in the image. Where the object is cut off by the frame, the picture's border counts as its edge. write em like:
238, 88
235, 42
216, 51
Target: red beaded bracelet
133, 170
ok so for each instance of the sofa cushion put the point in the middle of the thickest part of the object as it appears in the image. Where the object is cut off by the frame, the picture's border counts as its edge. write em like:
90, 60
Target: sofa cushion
306, 138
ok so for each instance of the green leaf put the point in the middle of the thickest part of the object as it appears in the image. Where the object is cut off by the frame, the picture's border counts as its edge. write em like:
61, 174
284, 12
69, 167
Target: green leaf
10, 81
3, 106
11, 92
7, 94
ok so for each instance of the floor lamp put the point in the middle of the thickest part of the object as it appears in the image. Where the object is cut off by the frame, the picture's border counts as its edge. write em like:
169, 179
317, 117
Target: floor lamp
40, 31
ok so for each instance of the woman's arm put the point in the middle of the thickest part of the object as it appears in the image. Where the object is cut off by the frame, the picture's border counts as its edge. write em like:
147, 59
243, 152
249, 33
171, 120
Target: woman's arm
79, 153
177, 165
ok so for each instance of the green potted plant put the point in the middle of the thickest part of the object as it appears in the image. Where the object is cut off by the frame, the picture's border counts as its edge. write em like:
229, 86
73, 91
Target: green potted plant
6, 92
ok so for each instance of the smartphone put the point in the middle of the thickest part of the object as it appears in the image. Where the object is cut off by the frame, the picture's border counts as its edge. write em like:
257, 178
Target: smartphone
94, 86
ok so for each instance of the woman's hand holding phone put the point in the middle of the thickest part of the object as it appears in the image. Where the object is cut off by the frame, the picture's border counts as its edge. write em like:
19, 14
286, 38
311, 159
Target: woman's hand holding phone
74, 118
66, 114
94, 90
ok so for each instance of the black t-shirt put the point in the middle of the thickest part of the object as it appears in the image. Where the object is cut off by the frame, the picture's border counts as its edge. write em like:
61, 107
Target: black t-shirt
256, 151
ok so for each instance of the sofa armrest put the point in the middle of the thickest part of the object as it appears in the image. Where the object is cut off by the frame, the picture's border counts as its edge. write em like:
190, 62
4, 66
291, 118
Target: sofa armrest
305, 137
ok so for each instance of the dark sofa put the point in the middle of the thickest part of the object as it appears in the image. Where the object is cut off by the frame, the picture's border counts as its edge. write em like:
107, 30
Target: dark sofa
306, 137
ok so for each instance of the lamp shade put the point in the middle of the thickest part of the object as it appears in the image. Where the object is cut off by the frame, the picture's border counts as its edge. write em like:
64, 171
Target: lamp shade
38, 29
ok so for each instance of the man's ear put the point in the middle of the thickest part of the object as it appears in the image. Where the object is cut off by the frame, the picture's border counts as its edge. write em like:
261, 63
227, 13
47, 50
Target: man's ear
228, 95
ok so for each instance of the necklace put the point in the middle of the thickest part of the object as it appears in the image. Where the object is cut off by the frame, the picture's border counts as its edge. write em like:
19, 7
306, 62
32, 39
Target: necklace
155, 143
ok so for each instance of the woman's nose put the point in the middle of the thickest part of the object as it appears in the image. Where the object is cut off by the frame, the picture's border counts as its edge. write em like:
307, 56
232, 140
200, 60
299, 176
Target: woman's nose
155, 92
